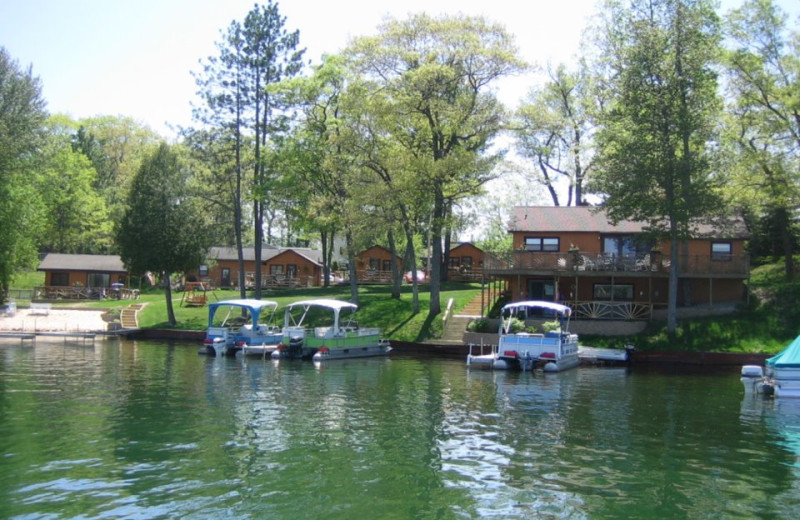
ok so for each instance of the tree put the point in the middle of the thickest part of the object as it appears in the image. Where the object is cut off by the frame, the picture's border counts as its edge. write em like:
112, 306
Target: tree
554, 127
76, 219
654, 159
253, 55
436, 76
162, 230
22, 115
763, 72
116, 147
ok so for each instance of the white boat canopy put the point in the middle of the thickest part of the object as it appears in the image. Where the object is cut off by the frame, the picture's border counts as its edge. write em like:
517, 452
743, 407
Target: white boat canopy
336, 305
255, 307
540, 304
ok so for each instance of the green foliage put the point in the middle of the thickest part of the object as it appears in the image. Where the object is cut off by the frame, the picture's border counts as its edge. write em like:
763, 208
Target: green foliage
162, 217
481, 325
654, 155
22, 115
762, 133
551, 326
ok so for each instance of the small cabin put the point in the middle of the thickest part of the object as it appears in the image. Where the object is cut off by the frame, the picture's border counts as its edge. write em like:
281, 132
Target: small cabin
71, 276
374, 265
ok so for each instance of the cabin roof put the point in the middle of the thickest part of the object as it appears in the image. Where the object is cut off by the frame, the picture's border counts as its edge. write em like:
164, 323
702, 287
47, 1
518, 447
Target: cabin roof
593, 219
93, 263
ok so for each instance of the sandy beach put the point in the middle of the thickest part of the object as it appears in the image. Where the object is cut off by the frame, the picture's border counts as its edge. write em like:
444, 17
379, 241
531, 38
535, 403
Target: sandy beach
56, 320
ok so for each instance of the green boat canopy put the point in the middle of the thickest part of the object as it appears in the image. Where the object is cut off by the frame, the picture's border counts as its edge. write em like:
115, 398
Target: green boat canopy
788, 357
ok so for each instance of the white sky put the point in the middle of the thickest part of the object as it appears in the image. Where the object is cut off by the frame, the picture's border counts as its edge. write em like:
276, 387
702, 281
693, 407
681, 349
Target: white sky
134, 57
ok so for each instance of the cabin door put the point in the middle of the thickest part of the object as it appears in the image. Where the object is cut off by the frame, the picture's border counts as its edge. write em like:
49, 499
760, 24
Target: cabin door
226, 277
541, 290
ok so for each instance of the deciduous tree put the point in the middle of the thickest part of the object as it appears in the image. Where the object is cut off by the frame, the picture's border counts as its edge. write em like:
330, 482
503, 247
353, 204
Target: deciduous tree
438, 73
654, 156
22, 114
763, 127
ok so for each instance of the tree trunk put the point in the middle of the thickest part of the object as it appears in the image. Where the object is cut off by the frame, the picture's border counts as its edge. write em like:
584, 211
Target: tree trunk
396, 274
436, 252
411, 257
351, 260
168, 292
326, 268
672, 293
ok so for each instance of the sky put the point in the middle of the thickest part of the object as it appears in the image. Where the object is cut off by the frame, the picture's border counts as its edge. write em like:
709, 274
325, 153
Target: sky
134, 58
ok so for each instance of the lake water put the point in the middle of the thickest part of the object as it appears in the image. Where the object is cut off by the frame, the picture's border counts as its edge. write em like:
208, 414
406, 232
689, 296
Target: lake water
146, 430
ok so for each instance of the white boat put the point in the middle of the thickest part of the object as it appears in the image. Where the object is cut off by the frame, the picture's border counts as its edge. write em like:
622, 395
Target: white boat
241, 325
324, 329
780, 376
553, 351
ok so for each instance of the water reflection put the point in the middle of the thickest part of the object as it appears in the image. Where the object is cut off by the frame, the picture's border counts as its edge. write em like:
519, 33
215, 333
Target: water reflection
150, 430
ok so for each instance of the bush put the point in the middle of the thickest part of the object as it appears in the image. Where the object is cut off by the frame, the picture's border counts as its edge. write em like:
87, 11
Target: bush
480, 325
551, 326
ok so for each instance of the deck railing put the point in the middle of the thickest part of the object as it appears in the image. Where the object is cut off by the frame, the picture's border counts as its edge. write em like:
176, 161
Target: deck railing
604, 262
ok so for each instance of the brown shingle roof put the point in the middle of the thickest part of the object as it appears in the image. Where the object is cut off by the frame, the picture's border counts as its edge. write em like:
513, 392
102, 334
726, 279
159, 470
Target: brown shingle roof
593, 219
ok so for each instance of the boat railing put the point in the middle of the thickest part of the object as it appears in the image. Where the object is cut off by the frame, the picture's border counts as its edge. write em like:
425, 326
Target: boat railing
482, 349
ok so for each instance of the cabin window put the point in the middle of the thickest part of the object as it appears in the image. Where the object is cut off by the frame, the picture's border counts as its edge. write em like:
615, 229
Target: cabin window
721, 251
291, 271
454, 262
625, 245
374, 263
203, 270
466, 261
609, 292
549, 244
387, 265
276, 270
99, 280
59, 279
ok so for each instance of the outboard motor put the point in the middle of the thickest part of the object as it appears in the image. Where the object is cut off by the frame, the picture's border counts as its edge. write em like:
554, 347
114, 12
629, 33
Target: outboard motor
295, 347
752, 376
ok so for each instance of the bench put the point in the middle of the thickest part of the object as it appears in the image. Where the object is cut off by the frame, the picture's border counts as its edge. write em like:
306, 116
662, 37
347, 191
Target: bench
41, 308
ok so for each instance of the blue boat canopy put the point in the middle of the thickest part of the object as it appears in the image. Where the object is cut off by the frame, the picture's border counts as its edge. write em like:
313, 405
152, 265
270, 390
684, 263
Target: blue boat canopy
788, 357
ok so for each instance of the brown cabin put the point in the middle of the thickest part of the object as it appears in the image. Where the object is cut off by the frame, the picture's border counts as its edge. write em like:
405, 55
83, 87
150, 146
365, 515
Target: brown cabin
465, 263
68, 276
374, 265
280, 267
574, 255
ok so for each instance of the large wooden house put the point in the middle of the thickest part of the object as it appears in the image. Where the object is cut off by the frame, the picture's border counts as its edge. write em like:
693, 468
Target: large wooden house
576, 256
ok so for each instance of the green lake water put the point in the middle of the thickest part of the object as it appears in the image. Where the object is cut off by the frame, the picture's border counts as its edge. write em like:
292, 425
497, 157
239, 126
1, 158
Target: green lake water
148, 430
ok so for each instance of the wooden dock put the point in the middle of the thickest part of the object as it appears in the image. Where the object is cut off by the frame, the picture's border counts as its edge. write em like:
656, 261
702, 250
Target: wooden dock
84, 337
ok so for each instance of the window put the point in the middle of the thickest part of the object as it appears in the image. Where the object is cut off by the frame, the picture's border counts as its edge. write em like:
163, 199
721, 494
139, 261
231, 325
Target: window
721, 251
291, 271
59, 279
623, 292
550, 244
276, 270
453, 262
387, 265
99, 280
625, 245
466, 261
203, 270
374, 263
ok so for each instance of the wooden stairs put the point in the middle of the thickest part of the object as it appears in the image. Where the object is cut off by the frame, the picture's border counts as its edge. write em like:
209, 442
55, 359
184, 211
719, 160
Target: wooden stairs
128, 316
456, 324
